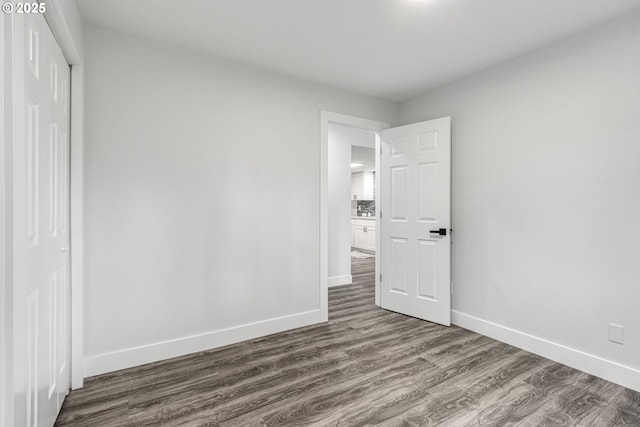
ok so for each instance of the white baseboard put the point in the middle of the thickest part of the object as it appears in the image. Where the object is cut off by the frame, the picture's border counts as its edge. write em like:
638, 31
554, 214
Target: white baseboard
612, 371
340, 280
127, 358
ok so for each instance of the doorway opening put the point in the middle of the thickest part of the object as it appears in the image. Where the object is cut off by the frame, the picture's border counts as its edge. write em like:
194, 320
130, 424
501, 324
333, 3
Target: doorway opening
349, 218
352, 214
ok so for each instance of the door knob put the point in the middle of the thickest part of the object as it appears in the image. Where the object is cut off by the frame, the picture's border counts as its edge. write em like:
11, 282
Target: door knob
64, 249
440, 231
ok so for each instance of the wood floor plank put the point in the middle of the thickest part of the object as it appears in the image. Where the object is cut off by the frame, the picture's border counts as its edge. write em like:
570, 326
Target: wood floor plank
314, 405
516, 403
614, 416
366, 366
572, 406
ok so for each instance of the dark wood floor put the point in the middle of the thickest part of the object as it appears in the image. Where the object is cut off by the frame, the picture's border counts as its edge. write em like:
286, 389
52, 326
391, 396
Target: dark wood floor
366, 366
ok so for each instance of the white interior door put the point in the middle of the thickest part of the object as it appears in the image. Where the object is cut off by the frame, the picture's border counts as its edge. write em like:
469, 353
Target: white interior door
41, 218
415, 207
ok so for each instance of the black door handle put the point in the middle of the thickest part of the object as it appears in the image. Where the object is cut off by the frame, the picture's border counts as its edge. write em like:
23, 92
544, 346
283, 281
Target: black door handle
440, 231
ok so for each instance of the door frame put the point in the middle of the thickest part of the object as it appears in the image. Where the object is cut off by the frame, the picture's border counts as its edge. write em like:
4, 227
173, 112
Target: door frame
326, 118
66, 25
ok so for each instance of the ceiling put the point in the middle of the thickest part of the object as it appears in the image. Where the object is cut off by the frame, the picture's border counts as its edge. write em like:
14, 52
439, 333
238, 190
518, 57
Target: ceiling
387, 49
366, 156
362, 144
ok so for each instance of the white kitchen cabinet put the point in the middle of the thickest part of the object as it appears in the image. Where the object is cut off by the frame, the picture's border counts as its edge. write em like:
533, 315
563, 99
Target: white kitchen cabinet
363, 234
362, 184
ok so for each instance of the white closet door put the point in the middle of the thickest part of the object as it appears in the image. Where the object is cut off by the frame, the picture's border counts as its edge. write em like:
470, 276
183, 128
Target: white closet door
41, 217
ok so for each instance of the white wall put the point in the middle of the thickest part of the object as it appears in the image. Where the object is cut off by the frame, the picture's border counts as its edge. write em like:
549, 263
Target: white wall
202, 199
63, 16
339, 205
546, 200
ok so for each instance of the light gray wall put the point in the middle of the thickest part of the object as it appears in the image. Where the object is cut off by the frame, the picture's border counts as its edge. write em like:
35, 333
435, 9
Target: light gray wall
63, 16
202, 191
546, 200
339, 205
74, 22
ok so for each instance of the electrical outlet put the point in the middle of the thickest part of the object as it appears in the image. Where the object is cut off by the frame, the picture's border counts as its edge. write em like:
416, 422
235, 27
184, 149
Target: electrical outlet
616, 333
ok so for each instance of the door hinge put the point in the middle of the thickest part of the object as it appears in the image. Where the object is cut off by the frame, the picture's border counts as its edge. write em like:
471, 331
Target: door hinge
380, 214
381, 277
381, 150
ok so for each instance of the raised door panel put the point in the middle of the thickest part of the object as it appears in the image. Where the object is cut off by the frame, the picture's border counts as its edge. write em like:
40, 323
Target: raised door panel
428, 192
427, 270
33, 170
399, 266
399, 176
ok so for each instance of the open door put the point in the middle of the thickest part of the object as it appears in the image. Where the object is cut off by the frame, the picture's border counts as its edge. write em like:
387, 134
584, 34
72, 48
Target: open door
415, 220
